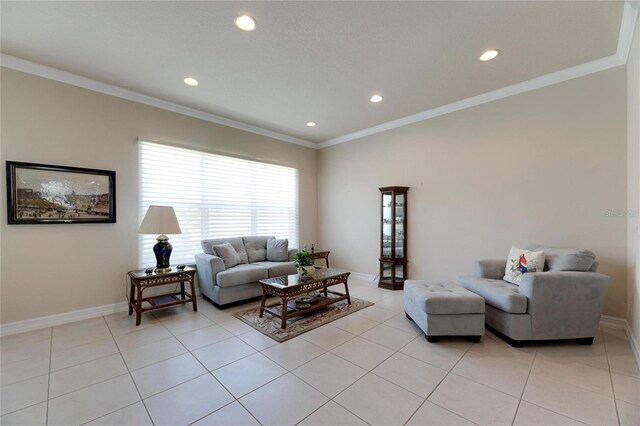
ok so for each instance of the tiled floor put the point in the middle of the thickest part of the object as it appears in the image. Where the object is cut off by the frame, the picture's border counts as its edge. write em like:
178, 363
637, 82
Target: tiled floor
374, 366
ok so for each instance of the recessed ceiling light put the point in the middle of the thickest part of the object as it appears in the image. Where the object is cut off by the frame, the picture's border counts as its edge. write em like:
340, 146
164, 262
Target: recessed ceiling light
312, 124
190, 81
489, 55
376, 98
245, 23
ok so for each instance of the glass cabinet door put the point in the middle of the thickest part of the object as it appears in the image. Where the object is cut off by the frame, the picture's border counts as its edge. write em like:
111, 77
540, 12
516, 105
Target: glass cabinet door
399, 219
387, 224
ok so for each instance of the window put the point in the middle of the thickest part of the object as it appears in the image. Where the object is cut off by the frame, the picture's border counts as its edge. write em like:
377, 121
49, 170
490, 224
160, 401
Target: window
215, 196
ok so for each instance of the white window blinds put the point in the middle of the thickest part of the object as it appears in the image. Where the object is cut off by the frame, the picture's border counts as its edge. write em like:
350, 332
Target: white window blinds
215, 196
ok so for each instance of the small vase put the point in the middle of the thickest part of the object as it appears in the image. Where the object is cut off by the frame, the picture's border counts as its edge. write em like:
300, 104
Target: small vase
306, 270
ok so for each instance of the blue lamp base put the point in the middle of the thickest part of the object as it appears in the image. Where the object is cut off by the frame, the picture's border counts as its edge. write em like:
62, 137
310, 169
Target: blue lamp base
162, 249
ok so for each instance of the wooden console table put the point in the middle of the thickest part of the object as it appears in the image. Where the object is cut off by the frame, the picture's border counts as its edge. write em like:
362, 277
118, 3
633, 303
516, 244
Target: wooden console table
321, 255
140, 281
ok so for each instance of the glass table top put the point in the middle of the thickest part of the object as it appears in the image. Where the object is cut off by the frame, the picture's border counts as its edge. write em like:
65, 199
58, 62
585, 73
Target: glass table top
291, 280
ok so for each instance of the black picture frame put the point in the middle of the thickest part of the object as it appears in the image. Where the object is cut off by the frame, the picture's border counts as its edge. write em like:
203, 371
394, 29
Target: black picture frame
47, 194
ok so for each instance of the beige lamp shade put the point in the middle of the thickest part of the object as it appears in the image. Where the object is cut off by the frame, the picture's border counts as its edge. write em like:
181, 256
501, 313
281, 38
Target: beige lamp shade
160, 220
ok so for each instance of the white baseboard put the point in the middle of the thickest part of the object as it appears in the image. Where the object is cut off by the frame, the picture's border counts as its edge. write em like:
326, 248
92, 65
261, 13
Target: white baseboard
58, 319
366, 277
623, 324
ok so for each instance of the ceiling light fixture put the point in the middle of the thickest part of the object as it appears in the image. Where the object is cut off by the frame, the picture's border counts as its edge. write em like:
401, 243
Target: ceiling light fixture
245, 23
376, 98
489, 55
190, 81
312, 124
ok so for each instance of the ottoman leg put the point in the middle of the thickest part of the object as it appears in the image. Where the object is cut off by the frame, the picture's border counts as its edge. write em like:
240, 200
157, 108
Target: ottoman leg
431, 339
475, 339
407, 315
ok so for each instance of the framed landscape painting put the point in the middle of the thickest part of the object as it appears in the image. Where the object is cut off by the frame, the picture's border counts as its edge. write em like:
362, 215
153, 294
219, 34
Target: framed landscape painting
45, 194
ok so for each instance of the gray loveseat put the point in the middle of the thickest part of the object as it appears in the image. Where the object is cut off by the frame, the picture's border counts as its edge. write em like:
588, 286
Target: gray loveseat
227, 286
563, 302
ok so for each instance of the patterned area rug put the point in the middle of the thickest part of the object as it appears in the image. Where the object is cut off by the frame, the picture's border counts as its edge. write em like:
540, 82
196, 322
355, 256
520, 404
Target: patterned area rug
270, 325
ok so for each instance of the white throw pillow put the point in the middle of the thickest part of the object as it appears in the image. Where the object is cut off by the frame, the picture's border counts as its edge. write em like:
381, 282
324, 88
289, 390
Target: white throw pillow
521, 262
228, 254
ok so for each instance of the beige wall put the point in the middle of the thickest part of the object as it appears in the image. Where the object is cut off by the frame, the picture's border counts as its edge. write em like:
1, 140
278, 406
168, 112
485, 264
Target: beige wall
633, 179
50, 269
544, 166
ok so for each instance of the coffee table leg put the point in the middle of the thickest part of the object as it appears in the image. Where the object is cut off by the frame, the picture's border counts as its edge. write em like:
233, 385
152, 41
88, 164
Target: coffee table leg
346, 290
264, 298
285, 304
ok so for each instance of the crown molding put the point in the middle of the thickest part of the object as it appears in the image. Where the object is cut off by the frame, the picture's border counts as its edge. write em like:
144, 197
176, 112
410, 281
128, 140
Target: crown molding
627, 27
505, 92
33, 68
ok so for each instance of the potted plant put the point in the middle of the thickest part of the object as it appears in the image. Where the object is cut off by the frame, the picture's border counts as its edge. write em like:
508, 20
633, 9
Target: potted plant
304, 262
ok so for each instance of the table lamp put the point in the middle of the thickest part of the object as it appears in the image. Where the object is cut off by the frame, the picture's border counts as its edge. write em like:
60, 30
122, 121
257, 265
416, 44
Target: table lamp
161, 220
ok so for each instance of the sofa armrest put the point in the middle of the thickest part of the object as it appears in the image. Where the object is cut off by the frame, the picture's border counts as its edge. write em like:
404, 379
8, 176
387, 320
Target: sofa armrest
208, 267
292, 251
492, 269
564, 303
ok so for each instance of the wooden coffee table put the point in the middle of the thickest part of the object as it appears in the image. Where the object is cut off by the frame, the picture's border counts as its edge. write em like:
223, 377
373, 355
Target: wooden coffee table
289, 287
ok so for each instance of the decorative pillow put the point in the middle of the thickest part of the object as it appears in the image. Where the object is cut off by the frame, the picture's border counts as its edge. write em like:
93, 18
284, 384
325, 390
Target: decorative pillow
228, 254
521, 262
256, 247
278, 250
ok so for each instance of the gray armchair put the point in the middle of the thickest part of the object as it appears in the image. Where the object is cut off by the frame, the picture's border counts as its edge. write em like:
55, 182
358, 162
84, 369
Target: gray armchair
564, 302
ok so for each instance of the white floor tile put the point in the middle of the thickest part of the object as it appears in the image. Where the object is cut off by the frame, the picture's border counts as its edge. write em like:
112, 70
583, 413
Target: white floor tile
36, 415
363, 353
133, 415
123, 323
388, 336
478, 403
327, 337
79, 333
401, 322
28, 336
329, 374
627, 388
95, 401
332, 414
444, 354
293, 353
222, 353
86, 374
150, 353
236, 326
354, 324
143, 336
188, 402
247, 374
257, 340
429, 414
83, 353
379, 402
23, 394
574, 374
621, 359
203, 336
180, 324
376, 313
411, 374
629, 413
233, 414
23, 370
571, 401
532, 415
159, 377
24, 350
296, 400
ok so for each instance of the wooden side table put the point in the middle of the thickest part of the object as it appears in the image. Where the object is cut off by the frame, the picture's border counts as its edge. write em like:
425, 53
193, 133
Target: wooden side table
321, 255
140, 281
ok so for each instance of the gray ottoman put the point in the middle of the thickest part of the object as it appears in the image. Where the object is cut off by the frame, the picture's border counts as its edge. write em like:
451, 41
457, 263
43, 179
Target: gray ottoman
443, 308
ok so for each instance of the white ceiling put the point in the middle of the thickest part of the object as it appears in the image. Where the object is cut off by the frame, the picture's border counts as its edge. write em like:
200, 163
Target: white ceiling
310, 61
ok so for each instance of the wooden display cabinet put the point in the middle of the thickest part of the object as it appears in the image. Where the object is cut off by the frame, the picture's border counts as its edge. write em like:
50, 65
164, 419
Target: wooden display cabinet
393, 237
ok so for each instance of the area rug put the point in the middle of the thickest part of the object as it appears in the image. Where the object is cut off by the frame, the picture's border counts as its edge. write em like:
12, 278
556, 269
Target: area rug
270, 325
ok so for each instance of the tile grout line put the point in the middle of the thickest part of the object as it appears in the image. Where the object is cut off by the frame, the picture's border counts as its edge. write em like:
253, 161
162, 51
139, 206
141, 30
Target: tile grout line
130, 375
515, 414
613, 389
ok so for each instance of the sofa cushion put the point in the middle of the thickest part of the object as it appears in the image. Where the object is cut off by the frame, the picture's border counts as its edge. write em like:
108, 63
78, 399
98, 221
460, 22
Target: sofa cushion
236, 242
228, 254
241, 274
278, 250
277, 269
256, 247
521, 262
497, 293
559, 259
